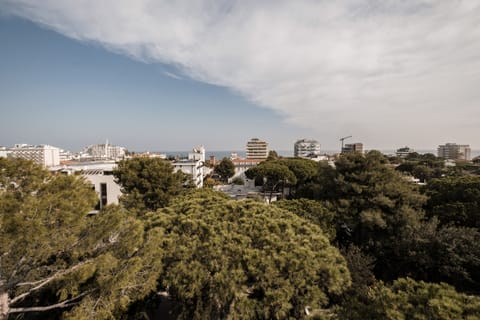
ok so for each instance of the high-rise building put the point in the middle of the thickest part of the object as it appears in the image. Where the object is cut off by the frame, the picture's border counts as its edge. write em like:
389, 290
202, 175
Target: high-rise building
257, 149
353, 147
45, 155
453, 151
305, 148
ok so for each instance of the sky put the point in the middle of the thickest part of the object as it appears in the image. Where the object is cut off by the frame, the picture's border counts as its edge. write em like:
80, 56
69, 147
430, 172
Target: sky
171, 75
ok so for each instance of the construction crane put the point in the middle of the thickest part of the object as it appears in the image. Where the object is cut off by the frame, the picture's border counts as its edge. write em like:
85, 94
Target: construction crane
342, 139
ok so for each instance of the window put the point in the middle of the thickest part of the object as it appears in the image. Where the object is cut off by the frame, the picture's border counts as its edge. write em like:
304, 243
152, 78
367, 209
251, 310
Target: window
103, 194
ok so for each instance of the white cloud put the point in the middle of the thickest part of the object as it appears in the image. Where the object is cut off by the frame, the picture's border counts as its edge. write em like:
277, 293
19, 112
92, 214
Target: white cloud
389, 72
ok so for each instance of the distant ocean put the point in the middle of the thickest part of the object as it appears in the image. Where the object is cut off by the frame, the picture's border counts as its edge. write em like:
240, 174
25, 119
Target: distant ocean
287, 153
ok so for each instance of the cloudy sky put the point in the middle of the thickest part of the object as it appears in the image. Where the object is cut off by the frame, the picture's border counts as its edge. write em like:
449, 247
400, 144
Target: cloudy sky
168, 75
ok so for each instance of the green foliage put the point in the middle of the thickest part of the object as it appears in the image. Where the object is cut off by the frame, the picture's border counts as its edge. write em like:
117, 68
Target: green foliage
312, 211
225, 169
371, 200
423, 166
408, 299
455, 200
209, 182
243, 259
52, 253
436, 253
238, 181
148, 183
274, 175
272, 155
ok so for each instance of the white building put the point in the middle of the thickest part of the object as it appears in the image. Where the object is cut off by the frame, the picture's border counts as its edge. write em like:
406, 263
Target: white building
193, 165
4, 152
105, 151
45, 155
257, 149
100, 175
242, 165
453, 151
306, 148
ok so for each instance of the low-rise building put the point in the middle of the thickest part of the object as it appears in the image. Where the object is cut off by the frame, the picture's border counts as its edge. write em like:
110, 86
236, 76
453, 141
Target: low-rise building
242, 165
4, 152
100, 175
193, 165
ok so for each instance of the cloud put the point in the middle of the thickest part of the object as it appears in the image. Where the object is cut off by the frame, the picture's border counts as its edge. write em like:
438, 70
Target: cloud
390, 72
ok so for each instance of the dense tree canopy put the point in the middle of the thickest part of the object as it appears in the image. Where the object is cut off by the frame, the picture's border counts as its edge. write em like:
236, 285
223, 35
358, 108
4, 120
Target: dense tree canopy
244, 259
215, 258
53, 256
435, 253
422, 166
409, 299
312, 211
455, 200
370, 199
148, 183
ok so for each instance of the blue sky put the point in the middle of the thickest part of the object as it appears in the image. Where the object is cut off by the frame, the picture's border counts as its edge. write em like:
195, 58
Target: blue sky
54, 90
170, 75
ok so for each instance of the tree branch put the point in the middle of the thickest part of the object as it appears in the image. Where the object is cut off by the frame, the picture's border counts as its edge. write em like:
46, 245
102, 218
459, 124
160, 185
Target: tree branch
63, 304
43, 282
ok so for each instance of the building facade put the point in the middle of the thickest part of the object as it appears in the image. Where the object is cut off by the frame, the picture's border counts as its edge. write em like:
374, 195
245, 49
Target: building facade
306, 148
453, 151
353, 147
105, 151
100, 175
194, 165
403, 152
257, 149
45, 155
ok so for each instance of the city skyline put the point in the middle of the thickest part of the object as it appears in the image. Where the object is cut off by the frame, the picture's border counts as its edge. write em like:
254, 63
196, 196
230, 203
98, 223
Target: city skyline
157, 76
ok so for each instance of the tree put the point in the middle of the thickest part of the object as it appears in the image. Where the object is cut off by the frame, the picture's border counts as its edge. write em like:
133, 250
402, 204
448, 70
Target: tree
304, 171
422, 166
272, 155
313, 211
431, 252
148, 183
273, 175
371, 200
55, 257
455, 200
244, 259
372, 204
225, 169
409, 299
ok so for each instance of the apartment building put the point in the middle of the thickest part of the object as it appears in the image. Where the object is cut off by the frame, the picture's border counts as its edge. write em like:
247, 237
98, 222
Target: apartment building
306, 148
45, 155
353, 147
257, 149
453, 151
